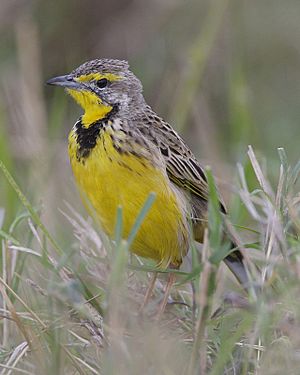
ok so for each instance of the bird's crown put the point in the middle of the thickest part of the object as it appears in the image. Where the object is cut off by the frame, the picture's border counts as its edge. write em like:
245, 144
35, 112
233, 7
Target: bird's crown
105, 66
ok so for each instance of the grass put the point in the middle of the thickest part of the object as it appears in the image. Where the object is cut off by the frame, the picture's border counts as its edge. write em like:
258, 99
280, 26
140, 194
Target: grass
69, 297
74, 309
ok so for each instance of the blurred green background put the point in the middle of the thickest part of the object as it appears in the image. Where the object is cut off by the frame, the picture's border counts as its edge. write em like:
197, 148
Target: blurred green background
224, 73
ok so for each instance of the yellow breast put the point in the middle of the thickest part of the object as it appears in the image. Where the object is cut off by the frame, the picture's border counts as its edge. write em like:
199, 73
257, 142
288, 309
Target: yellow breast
109, 179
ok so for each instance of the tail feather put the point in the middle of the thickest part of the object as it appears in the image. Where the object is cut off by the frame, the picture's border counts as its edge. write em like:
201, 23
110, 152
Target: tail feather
235, 262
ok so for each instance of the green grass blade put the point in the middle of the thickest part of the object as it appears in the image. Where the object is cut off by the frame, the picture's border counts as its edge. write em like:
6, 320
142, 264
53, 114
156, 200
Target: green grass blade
119, 226
140, 218
9, 237
29, 207
214, 215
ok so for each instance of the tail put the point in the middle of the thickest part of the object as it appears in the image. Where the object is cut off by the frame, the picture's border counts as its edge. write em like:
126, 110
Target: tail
235, 262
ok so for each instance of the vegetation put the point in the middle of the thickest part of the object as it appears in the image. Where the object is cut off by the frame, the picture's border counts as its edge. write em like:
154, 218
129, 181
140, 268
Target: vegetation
78, 310
225, 73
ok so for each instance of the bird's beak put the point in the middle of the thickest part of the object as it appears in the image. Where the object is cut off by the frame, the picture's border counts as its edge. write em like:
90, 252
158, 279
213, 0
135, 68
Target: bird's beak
65, 81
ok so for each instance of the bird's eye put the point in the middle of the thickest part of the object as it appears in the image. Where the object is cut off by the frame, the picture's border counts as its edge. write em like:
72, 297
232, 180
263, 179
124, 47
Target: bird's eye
102, 83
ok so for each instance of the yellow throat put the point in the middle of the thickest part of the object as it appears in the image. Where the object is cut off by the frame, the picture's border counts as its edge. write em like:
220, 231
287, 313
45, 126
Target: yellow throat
93, 107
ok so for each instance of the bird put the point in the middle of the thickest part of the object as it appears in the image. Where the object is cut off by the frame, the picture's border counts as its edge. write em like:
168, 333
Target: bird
121, 151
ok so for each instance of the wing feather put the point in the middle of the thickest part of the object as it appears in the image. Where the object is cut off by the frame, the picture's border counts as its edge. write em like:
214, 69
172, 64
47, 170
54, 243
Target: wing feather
182, 167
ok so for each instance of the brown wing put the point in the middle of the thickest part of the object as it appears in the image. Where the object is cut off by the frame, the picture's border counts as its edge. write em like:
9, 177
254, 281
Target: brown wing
182, 167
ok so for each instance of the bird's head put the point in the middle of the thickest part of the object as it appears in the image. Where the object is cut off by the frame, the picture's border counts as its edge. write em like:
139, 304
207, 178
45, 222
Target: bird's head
99, 86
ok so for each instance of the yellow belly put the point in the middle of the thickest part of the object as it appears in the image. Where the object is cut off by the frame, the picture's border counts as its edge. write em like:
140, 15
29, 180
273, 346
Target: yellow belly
110, 179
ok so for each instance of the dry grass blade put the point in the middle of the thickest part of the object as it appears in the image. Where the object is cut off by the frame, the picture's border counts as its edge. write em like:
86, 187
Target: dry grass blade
259, 174
199, 346
17, 354
33, 314
246, 196
14, 368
